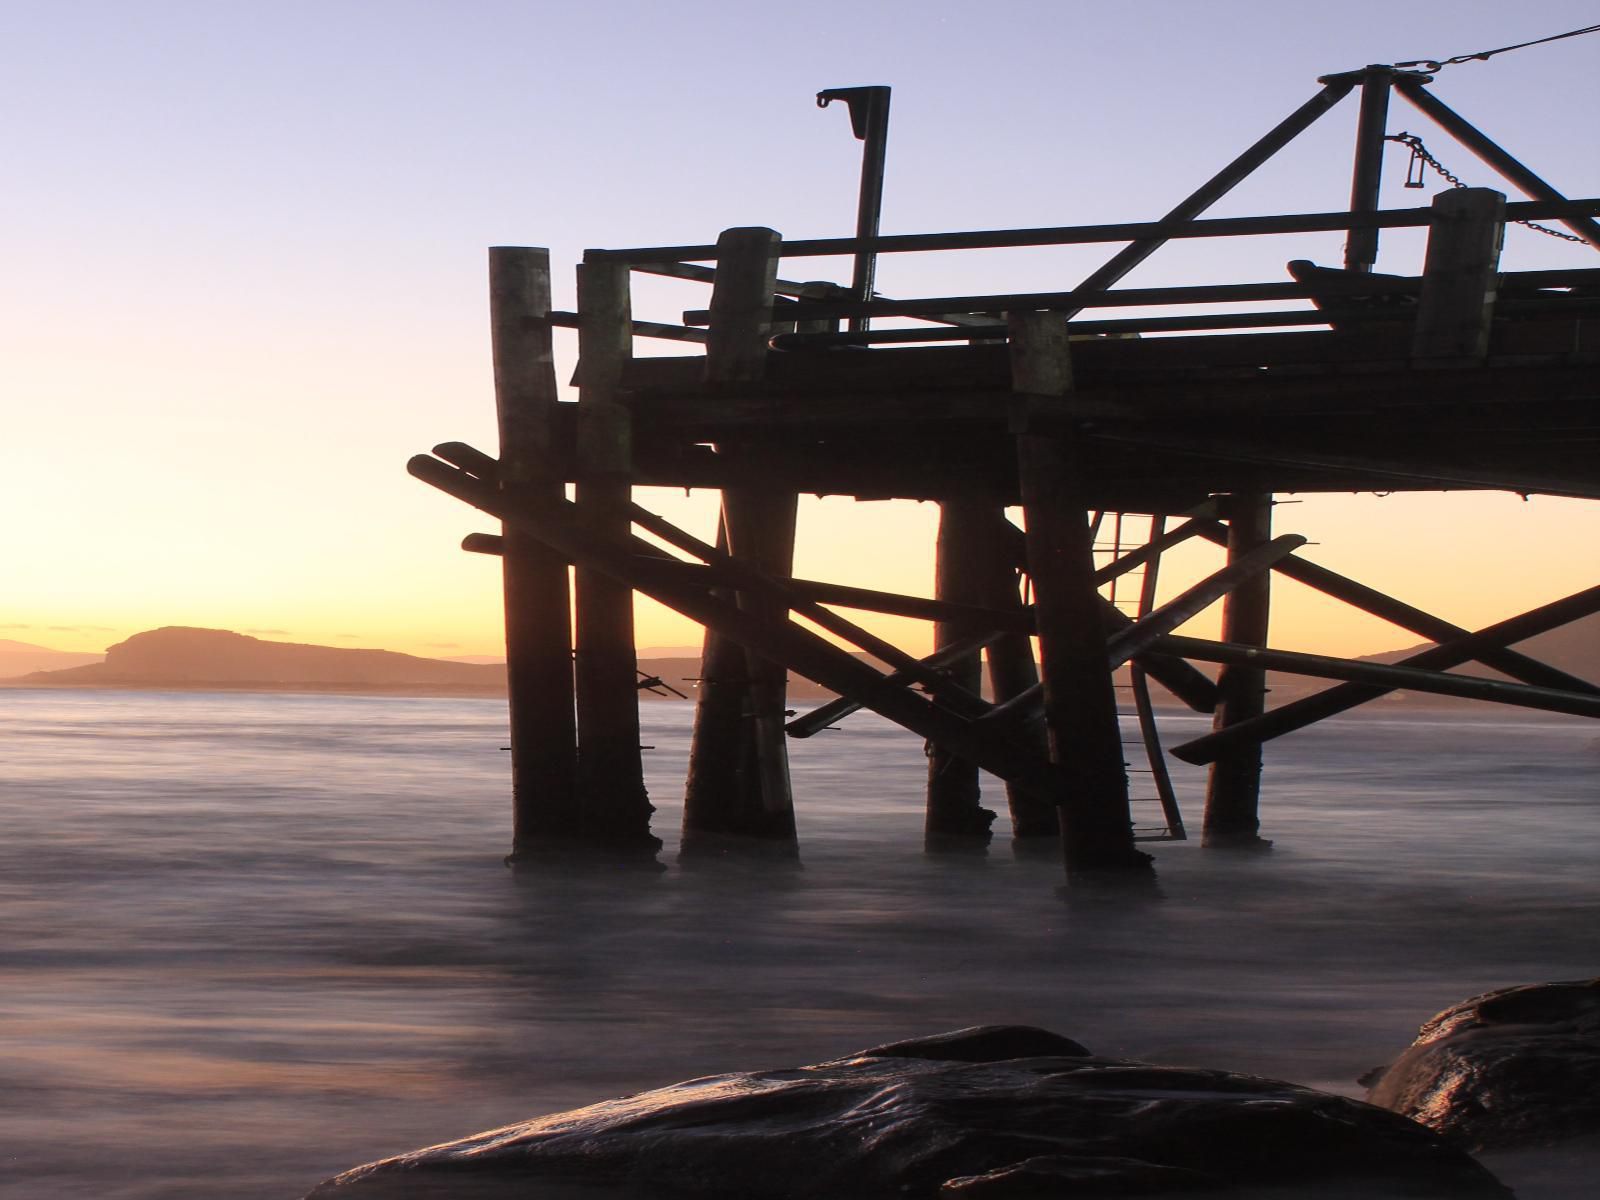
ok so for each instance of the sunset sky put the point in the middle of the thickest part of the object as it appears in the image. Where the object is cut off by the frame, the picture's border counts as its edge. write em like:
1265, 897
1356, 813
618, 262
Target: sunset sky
244, 262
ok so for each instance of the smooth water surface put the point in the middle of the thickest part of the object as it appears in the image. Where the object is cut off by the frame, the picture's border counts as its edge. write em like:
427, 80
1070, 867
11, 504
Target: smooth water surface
252, 940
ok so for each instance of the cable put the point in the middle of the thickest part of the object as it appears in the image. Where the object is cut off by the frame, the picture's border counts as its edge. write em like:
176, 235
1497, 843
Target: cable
1433, 64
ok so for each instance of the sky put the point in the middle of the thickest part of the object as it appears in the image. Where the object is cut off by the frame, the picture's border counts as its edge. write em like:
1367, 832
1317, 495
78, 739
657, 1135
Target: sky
242, 263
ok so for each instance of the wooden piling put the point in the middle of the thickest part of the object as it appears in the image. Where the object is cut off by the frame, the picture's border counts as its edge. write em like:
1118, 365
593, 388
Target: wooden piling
738, 776
1080, 703
711, 787
761, 529
1459, 276
1233, 787
953, 796
537, 603
614, 809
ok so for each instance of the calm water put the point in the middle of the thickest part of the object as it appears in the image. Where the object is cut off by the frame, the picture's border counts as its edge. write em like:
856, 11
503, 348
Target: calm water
250, 941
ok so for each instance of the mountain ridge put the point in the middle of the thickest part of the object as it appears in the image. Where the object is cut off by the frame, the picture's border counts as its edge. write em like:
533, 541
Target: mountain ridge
180, 656
191, 658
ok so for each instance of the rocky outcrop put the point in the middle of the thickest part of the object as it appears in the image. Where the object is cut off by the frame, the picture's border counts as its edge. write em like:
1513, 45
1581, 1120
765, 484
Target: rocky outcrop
993, 1113
177, 656
1515, 1067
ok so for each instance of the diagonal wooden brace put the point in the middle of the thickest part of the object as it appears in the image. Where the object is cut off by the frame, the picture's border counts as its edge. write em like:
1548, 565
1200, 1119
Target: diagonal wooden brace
1301, 713
1398, 612
553, 523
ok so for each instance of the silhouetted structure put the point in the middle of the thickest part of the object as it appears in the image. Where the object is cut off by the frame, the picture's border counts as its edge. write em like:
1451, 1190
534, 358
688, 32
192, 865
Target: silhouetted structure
1462, 378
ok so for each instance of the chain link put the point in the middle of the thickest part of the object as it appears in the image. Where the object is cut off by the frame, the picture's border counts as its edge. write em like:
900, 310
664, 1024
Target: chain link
1419, 153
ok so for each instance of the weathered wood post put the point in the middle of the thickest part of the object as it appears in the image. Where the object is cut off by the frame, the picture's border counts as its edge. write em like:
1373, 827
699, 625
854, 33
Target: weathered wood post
953, 808
537, 605
614, 809
1233, 786
738, 760
1079, 700
1460, 276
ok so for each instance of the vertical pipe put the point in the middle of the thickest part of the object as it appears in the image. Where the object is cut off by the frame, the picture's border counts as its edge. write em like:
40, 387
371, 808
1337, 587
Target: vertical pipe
953, 808
537, 602
614, 809
1080, 704
869, 121
1361, 250
1233, 787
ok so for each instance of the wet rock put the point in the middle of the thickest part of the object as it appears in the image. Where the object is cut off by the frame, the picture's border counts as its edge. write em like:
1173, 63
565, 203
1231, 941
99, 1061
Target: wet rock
990, 1113
981, 1043
1515, 1067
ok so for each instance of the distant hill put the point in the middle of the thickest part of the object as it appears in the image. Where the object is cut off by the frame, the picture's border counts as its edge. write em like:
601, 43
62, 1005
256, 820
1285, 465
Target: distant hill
1575, 648
21, 658
188, 658
181, 657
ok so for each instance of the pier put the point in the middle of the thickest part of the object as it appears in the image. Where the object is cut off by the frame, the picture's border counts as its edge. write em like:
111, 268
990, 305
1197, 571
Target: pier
1138, 431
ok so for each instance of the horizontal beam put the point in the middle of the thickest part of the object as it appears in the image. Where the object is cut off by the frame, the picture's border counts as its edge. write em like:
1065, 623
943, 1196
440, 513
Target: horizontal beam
1070, 235
1387, 676
649, 329
1419, 474
1328, 286
1001, 302
1409, 617
1290, 319
1287, 718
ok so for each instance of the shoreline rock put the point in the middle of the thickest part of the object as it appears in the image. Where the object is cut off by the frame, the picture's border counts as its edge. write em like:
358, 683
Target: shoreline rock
1513, 1068
988, 1113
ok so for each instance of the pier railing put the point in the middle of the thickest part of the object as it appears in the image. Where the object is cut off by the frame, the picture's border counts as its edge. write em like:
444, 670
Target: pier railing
979, 317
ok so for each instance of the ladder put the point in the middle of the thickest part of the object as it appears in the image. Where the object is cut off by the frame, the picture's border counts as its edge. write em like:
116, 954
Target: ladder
1137, 589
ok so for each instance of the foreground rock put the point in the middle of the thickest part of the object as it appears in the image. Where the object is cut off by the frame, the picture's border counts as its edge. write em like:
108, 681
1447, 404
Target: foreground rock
993, 1113
1516, 1067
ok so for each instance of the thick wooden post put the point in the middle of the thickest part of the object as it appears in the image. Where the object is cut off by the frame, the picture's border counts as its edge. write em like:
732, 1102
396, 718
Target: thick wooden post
1460, 276
1233, 788
761, 529
711, 789
738, 767
614, 809
538, 616
1080, 703
953, 808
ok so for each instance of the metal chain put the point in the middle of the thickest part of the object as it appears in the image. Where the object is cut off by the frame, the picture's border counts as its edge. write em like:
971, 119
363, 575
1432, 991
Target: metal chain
1419, 153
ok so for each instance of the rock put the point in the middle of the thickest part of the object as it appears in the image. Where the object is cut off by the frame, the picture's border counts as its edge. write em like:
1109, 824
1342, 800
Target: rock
990, 1113
1511, 1068
982, 1043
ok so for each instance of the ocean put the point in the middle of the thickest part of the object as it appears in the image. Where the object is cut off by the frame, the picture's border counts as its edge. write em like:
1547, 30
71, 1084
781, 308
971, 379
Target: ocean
252, 940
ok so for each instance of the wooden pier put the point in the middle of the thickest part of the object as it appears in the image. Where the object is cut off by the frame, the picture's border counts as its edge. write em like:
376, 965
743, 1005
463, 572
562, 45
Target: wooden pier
1464, 377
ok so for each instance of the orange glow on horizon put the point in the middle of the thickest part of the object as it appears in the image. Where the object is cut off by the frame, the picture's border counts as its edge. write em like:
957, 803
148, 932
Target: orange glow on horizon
1472, 558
